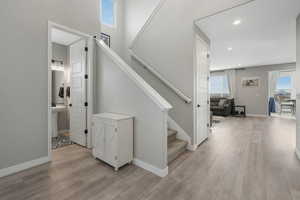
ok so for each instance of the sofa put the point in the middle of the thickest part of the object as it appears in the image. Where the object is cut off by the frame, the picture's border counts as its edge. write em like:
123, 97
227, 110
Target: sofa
221, 106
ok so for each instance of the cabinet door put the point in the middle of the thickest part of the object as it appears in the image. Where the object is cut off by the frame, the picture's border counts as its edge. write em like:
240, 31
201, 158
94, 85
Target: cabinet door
111, 144
99, 140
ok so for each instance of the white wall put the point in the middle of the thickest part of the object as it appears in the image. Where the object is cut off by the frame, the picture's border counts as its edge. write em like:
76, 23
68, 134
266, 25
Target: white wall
256, 98
167, 44
136, 13
117, 93
23, 79
298, 85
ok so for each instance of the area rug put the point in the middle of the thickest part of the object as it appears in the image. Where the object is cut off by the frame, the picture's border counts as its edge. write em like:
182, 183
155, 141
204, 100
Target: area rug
61, 141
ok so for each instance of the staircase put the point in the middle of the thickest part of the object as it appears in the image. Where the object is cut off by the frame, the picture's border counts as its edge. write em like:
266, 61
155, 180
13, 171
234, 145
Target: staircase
175, 146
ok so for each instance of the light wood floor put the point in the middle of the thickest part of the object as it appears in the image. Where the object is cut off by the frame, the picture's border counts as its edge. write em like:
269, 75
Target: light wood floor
244, 159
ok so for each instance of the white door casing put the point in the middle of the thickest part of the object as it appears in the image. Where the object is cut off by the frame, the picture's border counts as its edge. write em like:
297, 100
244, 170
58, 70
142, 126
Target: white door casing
202, 90
78, 94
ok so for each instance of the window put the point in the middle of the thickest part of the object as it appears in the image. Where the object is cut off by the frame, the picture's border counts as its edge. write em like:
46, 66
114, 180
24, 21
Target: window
219, 85
108, 12
284, 83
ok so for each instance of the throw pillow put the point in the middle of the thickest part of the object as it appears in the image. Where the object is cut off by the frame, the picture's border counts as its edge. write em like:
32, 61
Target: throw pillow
222, 102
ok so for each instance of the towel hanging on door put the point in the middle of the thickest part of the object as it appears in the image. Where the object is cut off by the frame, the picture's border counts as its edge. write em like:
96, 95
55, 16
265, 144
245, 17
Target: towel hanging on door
61, 92
68, 92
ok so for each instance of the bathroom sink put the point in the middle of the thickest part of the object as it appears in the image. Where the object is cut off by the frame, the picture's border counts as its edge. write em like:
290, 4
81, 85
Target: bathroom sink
55, 110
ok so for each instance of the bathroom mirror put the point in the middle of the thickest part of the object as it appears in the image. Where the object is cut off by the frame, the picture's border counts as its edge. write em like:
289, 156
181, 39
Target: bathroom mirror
58, 92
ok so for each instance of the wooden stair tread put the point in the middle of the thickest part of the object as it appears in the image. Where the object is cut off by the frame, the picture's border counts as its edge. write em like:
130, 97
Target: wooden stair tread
175, 148
171, 135
171, 132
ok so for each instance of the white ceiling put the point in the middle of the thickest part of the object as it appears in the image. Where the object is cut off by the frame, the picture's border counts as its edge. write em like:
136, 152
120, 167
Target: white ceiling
266, 35
63, 38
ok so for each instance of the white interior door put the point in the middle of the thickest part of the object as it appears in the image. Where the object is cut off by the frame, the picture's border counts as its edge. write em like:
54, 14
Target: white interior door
78, 110
202, 110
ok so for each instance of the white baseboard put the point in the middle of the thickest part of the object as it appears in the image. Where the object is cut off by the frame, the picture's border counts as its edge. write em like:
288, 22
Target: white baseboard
256, 115
151, 168
23, 166
298, 153
181, 134
191, 147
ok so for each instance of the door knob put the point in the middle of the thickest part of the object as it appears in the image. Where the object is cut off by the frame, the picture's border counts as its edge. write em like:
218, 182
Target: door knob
198, 105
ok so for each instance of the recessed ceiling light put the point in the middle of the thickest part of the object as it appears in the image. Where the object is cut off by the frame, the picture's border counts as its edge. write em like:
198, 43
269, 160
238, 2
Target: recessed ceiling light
239, 65
229, 48
237, 22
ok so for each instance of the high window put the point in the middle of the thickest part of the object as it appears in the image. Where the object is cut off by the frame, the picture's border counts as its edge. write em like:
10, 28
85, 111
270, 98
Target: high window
108, 12
219, 85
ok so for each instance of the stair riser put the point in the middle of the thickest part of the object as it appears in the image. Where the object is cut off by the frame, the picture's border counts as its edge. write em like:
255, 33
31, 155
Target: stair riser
174, 155
171, 138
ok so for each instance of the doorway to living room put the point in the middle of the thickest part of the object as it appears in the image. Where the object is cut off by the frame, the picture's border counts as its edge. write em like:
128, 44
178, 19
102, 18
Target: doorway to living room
244, 51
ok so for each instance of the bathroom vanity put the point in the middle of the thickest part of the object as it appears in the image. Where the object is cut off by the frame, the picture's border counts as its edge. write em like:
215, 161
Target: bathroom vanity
55, 111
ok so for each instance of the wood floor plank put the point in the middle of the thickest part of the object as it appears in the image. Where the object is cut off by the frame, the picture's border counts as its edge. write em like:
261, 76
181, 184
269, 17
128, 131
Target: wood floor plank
244, 159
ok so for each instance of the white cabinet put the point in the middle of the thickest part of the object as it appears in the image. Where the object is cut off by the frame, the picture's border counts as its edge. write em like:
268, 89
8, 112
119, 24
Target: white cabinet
113, 138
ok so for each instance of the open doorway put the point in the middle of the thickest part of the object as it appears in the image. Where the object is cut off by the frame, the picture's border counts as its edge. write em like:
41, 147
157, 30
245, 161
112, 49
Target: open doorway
282, 94
245, 50
69, 87
253, 60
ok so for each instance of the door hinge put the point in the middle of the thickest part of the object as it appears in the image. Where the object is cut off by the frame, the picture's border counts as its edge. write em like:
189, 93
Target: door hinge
85, 131
86, 104
208, 78
116, 157
207, 124
207, 102
116, 129
207, 55
86, 49
86, 76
